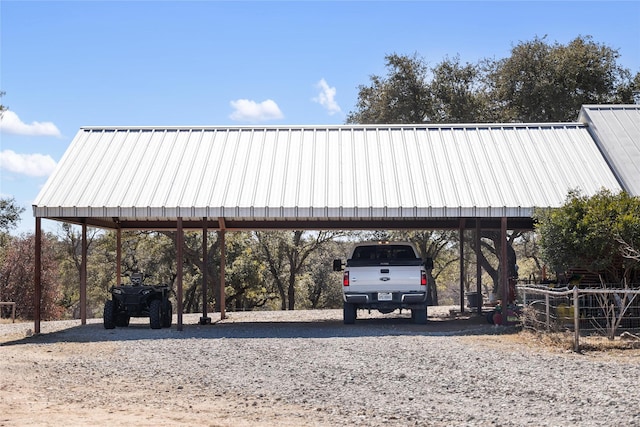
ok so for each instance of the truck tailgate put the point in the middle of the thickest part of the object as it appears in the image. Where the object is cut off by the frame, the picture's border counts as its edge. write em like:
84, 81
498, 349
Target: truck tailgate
382, 278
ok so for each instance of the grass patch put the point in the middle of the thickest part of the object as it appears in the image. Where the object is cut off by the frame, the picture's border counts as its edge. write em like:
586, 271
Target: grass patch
561, 342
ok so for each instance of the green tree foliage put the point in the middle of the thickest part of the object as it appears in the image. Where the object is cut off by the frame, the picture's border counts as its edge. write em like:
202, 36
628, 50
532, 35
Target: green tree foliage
247, 284
400, 97
9, 214
630, 92
455, 93
152, 253
585, 233
538, 82
69, 248
322, 287
286, 254
543, 82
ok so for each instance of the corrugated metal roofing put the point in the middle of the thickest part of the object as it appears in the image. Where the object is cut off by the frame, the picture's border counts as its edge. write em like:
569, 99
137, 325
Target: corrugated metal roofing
322, 172
616, 130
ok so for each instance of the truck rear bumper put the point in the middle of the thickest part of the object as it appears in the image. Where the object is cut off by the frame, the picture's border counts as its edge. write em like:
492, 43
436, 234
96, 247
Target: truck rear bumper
398, 299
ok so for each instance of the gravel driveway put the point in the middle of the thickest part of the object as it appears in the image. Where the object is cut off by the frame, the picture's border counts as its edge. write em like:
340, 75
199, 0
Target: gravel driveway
307, 368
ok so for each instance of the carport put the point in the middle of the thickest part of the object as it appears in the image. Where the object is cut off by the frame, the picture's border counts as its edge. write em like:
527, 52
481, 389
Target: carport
475, 176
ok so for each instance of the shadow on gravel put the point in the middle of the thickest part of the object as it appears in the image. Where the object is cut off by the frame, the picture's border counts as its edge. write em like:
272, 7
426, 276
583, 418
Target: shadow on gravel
238, 329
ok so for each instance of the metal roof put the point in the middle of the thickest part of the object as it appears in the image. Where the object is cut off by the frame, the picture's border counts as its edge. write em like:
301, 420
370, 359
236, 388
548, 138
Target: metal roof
326, 176
616, 130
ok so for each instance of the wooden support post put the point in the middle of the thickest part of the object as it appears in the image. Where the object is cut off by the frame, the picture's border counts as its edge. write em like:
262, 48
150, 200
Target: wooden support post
576, 319
179, 266
118, 256
462, 278
37, 277
205, 319
223, 257
504, 269
478, 266
83, 276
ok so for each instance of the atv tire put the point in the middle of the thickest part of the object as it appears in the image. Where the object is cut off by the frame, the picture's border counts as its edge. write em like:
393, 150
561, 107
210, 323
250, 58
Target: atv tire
155, 314
167, 314
108, 316
122, 320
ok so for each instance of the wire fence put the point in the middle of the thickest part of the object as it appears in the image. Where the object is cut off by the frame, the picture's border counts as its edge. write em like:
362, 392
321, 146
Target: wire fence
588, 312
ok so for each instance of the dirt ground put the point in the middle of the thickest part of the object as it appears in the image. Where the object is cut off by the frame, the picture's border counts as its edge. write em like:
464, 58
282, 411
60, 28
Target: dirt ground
44, 382
33, 394
30, 395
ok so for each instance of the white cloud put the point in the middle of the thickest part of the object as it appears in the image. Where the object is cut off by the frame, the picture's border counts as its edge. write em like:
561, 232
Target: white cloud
250, 111
326, 97
11, 123
27, 164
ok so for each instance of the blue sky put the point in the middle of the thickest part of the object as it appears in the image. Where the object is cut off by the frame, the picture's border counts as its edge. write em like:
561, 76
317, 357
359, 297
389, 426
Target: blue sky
64, 65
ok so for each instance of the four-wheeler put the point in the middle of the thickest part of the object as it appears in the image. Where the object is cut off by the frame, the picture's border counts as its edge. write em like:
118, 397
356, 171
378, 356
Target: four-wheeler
138, 300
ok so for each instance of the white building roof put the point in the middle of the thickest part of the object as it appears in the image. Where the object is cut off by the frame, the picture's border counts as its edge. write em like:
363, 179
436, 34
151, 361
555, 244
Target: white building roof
616, 131
327, 176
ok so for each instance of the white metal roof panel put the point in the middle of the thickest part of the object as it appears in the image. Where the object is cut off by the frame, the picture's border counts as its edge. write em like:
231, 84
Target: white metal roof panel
323, 172
616, 130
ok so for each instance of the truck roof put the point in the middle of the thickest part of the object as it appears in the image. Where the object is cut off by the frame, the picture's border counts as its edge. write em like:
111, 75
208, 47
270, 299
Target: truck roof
383, 243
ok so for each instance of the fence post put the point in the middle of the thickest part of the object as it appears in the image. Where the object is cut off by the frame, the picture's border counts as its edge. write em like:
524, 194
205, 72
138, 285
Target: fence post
576, 319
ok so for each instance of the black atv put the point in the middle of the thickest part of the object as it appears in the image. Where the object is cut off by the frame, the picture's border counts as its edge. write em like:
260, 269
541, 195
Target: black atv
138, 300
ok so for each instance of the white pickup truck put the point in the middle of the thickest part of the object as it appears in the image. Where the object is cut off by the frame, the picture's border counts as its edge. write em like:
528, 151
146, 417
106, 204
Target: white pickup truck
384, 276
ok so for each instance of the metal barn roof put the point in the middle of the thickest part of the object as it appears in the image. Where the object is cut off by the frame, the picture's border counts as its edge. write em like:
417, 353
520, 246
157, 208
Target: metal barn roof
324, 176
616, 130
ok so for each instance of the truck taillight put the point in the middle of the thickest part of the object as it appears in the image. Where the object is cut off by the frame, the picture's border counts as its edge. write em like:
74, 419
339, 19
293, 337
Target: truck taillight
423, 278
345, 279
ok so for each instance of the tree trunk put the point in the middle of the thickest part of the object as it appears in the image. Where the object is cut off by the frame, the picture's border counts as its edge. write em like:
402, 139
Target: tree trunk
189, 301
432, 289
292, 292
494, 273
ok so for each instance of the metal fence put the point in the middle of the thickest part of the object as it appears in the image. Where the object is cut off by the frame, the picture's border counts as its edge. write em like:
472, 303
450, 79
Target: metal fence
603, 311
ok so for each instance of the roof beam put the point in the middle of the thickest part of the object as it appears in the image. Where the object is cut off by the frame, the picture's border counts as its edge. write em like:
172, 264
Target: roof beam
231, 224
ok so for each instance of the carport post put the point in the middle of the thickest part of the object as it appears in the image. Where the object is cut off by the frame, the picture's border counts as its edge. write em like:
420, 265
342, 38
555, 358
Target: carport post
205, 319
118, 256
37, 297
83, 277
461, 231
179, 245
478, 266
504, 269
223, 259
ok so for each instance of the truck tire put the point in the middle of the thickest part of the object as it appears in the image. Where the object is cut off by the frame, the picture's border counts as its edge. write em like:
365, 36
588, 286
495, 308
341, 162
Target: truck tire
489, 316
349, 313
108, 315
167, 314
155, 314
419, 315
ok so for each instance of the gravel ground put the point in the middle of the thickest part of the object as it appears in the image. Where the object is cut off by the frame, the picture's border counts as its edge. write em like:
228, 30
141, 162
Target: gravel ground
307, 368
